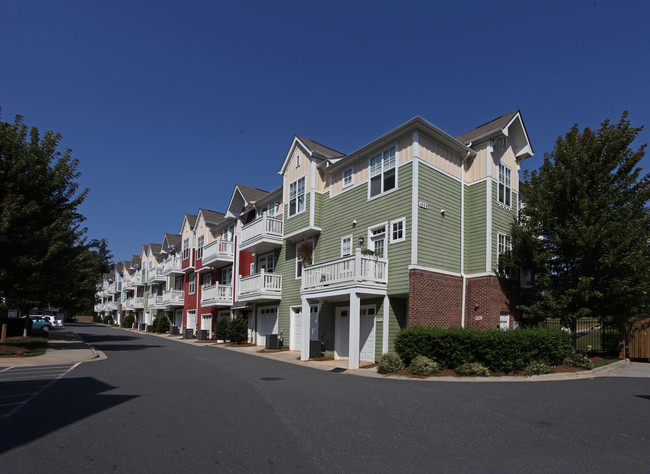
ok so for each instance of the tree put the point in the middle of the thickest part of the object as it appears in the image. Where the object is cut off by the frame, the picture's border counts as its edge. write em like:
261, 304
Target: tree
584, 231
44, 257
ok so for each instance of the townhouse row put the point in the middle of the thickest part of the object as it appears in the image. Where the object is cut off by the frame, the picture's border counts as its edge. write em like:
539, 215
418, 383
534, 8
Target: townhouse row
406, 230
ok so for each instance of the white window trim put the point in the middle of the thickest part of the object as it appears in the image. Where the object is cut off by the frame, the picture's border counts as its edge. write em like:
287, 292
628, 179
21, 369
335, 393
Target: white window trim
508, 247
191, 286
507, 188
351, 183
384, 226
351, 247
403, 238
289, 215
199, 247
384, 192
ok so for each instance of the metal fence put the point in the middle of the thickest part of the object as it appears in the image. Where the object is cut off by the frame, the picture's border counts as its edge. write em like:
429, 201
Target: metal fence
589, 335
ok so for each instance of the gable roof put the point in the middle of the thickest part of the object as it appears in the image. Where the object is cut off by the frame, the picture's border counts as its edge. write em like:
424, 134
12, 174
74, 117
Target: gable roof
313, 149
243, 196
171, 241
135, 260
510, 125
493, 126
211, 218
155, 249
251, 194
191, 221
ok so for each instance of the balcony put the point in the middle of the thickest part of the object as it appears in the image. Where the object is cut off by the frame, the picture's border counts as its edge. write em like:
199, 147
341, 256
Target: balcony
173, 266
112, 306
155, 302
356, 271
216, 295
172, 298
112, 288
262, 235
138, 302
156, 275
130, 283
218, 253
98, 308
260, 287
128, 304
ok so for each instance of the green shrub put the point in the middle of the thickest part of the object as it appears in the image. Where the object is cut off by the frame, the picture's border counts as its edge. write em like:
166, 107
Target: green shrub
389, 363
222, 329
239, 329
473, 368
580, 360
128, 321
538, 367
161, 323
499, 351
610, 340
422, 365
108, 319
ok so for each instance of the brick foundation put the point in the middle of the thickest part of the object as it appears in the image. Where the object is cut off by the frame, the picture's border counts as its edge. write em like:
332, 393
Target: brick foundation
436, 300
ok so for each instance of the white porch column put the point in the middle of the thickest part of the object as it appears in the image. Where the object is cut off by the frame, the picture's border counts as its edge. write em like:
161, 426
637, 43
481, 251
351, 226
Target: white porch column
386, 316
306, 330
355, 330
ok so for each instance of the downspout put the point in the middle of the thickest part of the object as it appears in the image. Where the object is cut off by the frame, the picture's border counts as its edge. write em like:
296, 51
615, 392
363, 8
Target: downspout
462, 235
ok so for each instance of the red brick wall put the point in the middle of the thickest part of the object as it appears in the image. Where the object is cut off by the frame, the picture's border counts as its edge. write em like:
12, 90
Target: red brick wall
434, 299
487, 297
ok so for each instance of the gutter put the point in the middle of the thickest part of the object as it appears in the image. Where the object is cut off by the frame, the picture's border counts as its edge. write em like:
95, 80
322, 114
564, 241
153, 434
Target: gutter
462, 235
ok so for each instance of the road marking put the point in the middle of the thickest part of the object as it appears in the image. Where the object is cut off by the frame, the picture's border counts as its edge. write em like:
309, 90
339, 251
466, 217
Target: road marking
35, 394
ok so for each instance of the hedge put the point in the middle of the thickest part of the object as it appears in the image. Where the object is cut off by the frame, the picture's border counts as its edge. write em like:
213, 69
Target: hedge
499, 351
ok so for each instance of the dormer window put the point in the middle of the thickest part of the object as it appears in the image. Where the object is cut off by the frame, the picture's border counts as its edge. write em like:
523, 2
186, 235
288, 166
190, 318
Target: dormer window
297, 197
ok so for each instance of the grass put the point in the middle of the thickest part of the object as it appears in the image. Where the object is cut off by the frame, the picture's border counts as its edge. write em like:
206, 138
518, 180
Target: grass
606, 361
23, 347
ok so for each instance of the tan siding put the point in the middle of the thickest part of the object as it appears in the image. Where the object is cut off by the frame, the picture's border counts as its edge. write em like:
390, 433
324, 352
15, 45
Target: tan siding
294, 172
476, 168
439, 156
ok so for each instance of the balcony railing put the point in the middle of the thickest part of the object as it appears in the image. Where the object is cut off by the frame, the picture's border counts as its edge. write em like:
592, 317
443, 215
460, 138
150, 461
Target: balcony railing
356, 269
173, 265
218, 251
173, 297
112, 288
260, 286
98, 308
112, 306
262, 234
128, 304
216, 295
155, 302
156, 274
138, 302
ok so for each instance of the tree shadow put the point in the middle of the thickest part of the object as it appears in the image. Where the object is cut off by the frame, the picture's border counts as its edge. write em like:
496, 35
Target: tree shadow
74, 399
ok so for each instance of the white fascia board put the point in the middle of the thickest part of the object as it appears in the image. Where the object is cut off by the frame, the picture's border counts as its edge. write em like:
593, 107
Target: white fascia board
296, 141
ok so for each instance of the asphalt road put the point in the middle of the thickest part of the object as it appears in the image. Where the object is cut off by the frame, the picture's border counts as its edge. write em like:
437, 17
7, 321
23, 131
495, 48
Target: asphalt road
156, 405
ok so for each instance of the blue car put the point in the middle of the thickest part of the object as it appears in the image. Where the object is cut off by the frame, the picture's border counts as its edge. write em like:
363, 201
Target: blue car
40, 324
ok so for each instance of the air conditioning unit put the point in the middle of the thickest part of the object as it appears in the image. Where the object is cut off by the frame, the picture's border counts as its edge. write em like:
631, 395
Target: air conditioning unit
273, 341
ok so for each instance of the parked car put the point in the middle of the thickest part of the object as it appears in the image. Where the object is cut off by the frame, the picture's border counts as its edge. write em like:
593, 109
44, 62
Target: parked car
53, 321
39, 323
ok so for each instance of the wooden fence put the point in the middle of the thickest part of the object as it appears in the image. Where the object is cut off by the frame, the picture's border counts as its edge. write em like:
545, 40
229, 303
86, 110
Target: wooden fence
639, 340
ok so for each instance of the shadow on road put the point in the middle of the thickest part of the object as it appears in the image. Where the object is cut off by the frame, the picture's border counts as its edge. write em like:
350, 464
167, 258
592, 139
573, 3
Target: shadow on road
73, 399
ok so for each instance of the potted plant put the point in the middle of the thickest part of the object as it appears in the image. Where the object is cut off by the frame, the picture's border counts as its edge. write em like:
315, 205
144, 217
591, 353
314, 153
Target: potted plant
305, 253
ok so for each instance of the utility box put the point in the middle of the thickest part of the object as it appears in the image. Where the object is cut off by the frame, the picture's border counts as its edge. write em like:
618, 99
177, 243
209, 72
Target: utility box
142, 326
203, 335
148, 328
315, 349
273, 341
188, 333
174, 330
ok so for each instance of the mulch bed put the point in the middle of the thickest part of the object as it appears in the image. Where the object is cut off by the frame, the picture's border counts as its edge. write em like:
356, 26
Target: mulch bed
264, 351
560, 369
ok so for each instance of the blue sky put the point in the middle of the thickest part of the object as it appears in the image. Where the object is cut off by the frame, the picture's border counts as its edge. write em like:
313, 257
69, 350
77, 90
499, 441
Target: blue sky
193, 97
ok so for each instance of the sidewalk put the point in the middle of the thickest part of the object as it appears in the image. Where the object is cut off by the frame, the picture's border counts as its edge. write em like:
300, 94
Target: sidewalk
65, 347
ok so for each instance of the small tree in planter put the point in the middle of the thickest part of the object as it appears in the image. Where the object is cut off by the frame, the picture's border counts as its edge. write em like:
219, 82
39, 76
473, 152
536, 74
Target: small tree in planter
161, 324
128, 321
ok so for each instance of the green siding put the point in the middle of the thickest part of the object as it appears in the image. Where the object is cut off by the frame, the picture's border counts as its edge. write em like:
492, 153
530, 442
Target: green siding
286, 265
502, 220
475, 227
299, 221
337, 216
439, 235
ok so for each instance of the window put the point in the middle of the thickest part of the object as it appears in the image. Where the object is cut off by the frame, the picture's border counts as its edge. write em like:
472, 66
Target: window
270, 209
398, 230
504, 184
186, 249
228, 233
266, 263
192, 282
297, 197
346, 245
382, 172
297, 161
226, 276
199, 248
207, 279
504, 246
378, 240
347, 177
